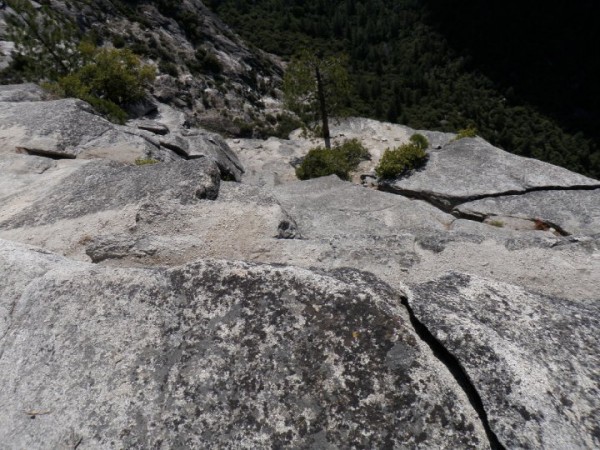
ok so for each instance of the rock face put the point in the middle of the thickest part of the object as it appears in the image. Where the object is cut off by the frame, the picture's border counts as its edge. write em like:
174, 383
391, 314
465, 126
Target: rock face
214, 353
185, 310
470, 169
193, 144
102, 186
533, 359
194, 51
22, 93
69, 128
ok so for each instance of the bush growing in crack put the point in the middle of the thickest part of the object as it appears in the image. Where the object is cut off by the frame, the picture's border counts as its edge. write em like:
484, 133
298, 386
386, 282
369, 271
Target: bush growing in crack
400, 160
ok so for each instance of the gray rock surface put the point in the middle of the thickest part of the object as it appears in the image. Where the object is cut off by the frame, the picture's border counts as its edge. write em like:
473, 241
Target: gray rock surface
471, 168
28, 92
573, 211
194, 144
153, 127
69, 128
107, 185
145, 227
215, 353
533, 359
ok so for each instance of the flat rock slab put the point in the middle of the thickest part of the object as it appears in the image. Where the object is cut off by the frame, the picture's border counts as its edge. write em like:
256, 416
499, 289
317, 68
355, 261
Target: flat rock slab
535, 360
471, 168
573, 211
69, 128
326, 206
215, 354
107, 185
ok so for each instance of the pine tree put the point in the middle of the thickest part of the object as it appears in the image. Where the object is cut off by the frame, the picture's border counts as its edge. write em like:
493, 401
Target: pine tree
316, 87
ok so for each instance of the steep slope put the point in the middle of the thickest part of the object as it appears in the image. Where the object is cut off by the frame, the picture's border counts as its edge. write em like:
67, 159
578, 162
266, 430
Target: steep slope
405, 69
204, 69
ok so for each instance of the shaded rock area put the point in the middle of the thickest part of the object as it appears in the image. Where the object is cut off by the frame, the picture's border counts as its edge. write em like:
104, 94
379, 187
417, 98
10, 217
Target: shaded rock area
533, 359
213, 353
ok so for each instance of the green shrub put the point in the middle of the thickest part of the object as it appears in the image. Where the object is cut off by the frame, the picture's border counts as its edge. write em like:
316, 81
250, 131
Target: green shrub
340, 160
419, 140
469, 132
399, 160
109, 80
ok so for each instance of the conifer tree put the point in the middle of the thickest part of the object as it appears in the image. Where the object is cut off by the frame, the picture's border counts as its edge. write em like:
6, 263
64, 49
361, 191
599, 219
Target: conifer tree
315, 88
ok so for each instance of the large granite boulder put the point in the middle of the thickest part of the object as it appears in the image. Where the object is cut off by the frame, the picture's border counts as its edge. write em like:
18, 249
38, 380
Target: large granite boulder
215, 354
533, 359
193, 144
470, 169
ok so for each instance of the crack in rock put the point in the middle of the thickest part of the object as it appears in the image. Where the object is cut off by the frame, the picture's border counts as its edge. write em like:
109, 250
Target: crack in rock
457, 371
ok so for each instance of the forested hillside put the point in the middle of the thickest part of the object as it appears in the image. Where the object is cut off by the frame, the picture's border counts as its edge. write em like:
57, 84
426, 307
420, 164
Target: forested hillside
411, 63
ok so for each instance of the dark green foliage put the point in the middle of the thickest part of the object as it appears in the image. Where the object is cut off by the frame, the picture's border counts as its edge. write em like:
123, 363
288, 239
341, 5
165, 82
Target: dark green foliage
205, 62
400, 160
419, 140
340, 160
109, 80
404, 70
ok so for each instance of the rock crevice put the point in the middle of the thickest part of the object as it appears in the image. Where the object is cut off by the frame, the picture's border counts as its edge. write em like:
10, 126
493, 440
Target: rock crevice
458, 372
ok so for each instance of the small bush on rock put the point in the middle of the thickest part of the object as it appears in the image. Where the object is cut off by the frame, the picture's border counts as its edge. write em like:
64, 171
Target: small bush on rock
469, 132
340, 160
419, 140
399, 160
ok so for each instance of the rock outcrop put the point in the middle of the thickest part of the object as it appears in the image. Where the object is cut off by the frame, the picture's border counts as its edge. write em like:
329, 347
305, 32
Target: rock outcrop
215, 353
470, 169
533, 359
165, 306
70, 128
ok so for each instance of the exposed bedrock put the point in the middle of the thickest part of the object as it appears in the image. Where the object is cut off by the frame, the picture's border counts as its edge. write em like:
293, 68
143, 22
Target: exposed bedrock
212, 353
533, 359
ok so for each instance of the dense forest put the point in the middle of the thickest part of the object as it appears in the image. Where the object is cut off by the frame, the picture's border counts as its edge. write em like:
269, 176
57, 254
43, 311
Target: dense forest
518, 74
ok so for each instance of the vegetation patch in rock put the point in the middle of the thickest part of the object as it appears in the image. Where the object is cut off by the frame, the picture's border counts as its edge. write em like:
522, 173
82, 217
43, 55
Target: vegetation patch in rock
340, 160
399, 160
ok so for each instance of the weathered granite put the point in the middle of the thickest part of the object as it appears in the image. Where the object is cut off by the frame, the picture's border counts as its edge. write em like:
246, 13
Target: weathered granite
215, 354
153, 127
572, 211
533, 359
471, 168
27, 92
69, 128
193, 144
107, 185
